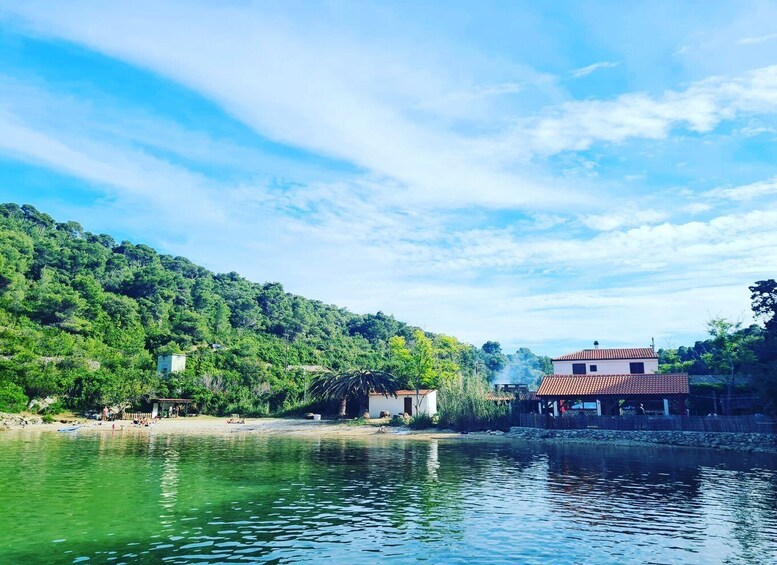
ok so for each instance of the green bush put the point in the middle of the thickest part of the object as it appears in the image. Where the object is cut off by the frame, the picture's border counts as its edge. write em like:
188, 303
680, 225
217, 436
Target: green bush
399, 420
357, 422
53, 409
12, 398
422, 422
48, 419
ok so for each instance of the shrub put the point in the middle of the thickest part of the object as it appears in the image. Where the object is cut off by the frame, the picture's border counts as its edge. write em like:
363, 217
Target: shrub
47, 419
55, 408
12, 398
422, 422
399, 420
357, 422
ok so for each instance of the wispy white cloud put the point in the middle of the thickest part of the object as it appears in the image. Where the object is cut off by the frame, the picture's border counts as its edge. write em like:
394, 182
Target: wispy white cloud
700, 108
622, 218
451, 215
127, 173
585, 71
747, 192
757, 39
329, 94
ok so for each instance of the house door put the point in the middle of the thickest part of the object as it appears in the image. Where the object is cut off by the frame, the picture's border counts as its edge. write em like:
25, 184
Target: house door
409, 406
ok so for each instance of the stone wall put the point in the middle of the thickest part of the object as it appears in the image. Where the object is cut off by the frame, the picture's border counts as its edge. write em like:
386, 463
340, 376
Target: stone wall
758, 443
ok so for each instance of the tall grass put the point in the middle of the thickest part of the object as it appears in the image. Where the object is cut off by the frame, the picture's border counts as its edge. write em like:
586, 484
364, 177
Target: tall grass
464, 407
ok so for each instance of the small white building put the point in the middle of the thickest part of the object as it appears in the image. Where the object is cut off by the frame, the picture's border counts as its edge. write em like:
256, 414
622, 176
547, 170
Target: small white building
406, 401
168, 364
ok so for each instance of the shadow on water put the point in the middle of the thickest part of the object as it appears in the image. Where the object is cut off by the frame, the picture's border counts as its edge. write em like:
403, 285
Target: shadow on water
247, 498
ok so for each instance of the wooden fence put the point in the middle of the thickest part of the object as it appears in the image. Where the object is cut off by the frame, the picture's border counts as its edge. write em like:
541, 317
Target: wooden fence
744, 424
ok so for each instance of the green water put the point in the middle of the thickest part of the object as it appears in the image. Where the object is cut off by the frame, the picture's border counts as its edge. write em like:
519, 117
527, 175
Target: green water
236, 498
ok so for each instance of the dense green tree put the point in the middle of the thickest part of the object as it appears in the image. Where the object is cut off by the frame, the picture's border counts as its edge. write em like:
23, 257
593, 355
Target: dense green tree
414, 360
492, 357
84, 317
764, 369
732, 350
670, 361
12, 397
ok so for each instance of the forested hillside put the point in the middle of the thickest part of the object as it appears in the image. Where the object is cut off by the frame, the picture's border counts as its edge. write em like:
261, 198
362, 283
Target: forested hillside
83, 317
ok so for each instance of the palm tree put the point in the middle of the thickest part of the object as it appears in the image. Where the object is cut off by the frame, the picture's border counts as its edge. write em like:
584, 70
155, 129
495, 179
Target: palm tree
353, 383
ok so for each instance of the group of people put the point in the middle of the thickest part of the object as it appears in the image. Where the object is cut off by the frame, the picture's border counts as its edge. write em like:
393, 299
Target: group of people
145, 421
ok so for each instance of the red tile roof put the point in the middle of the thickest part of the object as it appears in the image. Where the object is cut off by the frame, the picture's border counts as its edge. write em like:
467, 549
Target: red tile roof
605, 354
421, 392
573, 386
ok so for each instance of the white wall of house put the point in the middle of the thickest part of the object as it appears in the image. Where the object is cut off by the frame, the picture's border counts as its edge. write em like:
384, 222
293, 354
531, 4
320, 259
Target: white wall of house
380, 403
606, 367
168, 364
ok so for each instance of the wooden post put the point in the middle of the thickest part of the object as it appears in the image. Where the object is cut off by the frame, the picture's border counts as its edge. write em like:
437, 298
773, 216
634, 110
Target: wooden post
598, 407
666, 407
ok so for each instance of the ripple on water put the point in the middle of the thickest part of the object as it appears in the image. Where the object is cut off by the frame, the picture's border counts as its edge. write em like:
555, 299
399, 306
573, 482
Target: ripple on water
212, 500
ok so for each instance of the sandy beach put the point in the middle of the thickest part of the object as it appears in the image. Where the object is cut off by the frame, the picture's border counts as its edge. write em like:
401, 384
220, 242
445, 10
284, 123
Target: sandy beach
220, 425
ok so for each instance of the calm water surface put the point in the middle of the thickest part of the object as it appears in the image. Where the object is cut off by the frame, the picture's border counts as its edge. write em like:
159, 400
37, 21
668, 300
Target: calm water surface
132, 498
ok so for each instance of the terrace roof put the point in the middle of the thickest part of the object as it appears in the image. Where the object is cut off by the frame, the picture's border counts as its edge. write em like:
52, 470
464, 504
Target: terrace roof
576, 386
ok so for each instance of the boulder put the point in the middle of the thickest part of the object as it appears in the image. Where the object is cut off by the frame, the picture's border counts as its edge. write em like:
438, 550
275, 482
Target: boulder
39, 404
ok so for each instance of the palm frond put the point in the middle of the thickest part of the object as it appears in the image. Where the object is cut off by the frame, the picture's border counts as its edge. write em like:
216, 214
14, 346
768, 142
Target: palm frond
353, 383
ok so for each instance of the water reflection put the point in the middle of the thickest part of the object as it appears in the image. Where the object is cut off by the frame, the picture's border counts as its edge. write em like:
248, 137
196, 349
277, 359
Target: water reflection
257, 499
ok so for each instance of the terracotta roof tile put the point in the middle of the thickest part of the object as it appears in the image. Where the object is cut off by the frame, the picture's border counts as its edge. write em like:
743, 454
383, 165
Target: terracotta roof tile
605, 354
421, 392
574, 386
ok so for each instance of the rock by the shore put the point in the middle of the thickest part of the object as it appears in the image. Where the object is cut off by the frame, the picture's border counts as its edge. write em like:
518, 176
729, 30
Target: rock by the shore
9, 421
756, 443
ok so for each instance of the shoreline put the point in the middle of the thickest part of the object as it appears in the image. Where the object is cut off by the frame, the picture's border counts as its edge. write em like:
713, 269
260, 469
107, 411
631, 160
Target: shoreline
12, 424
213, 425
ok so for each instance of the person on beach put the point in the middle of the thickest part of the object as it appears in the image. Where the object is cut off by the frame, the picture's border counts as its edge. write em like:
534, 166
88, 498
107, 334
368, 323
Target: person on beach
105, 413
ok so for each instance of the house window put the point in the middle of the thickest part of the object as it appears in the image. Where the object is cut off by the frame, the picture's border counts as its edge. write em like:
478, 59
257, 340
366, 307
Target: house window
593, 368
578, 368
636, 368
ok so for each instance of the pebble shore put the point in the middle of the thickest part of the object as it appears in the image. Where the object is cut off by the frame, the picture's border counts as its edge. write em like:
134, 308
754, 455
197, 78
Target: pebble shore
753, 443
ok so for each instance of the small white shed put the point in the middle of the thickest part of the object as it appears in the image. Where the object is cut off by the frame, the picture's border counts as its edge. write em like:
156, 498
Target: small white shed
407, 401
166, 365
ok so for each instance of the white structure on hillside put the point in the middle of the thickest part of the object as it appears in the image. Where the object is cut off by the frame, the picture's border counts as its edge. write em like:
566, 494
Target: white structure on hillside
407, 402
168, 364
596, 361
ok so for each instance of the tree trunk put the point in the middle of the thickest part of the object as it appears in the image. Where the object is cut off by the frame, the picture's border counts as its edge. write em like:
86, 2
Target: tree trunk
343, 404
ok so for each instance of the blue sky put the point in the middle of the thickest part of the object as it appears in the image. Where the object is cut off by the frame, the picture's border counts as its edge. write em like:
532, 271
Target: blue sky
542, 174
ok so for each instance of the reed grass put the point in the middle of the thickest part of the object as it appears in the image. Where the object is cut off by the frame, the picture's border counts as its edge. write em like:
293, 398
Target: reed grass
464, 407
